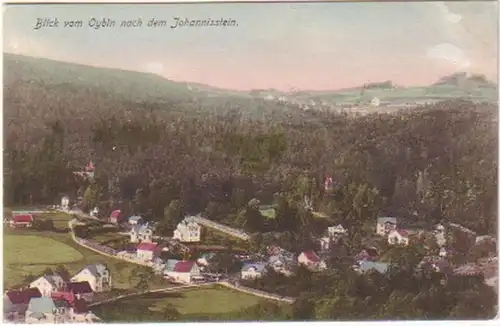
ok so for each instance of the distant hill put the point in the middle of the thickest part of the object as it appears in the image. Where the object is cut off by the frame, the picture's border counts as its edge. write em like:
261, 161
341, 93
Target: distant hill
140, 87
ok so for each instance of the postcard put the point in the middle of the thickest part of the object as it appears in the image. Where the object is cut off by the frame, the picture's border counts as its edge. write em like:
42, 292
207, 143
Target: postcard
225, 162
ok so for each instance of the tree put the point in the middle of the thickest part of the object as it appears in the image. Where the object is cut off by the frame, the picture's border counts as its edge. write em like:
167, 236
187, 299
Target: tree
173, 212
62, 271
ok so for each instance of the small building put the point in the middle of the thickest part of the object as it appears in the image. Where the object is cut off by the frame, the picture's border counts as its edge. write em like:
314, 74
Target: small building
252, 271
95, 212
184, 272
46, 310
115, 216
443, 252
188, 231
65, 203
205, 259
337, 230
15, 303
375, 102
141, 233
147, 251
81, 290
80, 313
386, 225
22, 220
48, 284
97, 275
134, 220
398, 237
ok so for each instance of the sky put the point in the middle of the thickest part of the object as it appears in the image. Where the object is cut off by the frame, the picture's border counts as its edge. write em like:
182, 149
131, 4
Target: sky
320, 46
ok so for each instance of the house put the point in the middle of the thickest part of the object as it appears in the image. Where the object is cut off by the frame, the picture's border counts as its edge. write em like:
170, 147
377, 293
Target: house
205, 259
311, 260
147, 251
141, 233
252, 271
115, 216
325, 243
65, 203
337, 230
134, 220
16, 302
280, 264
375, 102
367, 266
385, 225
46, 310
170, 265
22, 220
188, 231
81, 290
48, 284
368, 254
97, 275
398, 237
443, 252
94, 212
184, 272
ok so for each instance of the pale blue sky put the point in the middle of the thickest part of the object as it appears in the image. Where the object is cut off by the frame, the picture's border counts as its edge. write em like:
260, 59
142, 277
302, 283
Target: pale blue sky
280, 45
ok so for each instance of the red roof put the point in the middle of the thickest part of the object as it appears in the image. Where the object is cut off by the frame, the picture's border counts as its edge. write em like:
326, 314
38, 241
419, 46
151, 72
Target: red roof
116, 213
184, 266
23, 296
311, 255
147, 246
90, 166
403, 232
79, 287
67, 296
25, 218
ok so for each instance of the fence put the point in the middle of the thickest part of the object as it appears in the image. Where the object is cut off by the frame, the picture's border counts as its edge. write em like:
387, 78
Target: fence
252, 291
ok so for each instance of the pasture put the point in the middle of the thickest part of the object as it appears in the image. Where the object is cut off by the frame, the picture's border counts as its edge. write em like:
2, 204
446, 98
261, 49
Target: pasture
206, 302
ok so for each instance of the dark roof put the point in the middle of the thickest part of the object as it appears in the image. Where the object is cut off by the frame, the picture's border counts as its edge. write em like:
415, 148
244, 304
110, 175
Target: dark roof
23, 296
79, 287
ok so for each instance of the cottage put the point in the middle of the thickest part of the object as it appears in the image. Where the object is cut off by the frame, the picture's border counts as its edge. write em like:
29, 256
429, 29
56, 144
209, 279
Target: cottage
22, 220
134, 220
443, 252
95, 212
46, 310
205, 259
141, 233
325, 243
16, 302
81, 290
337, 230
308, 258
115, 216
184, 272
385, 225
367, 266
170, 265
48, 284
65, 203
147, 251
252, 271
188, 231
398, 237
281, 264
98, 276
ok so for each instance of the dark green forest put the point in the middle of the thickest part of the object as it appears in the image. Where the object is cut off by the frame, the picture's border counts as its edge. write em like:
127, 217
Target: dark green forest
162, 159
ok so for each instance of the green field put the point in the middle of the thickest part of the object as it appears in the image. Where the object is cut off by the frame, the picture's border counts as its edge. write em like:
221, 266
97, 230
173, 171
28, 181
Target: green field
31, 252
210, 302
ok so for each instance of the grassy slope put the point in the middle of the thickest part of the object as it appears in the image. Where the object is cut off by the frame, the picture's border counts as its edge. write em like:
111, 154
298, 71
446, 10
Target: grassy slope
212, 303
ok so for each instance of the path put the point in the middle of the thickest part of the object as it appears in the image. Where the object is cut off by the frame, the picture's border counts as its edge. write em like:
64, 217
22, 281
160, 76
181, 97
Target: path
221, 227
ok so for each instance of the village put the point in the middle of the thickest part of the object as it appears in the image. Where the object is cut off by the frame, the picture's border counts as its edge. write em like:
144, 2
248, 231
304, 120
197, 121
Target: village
51, 299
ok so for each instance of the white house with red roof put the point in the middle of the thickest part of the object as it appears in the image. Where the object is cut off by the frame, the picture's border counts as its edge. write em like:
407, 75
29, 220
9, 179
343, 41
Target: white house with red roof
398, 237
311, 260
147, 251
48, 284
184, 272
22, 220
